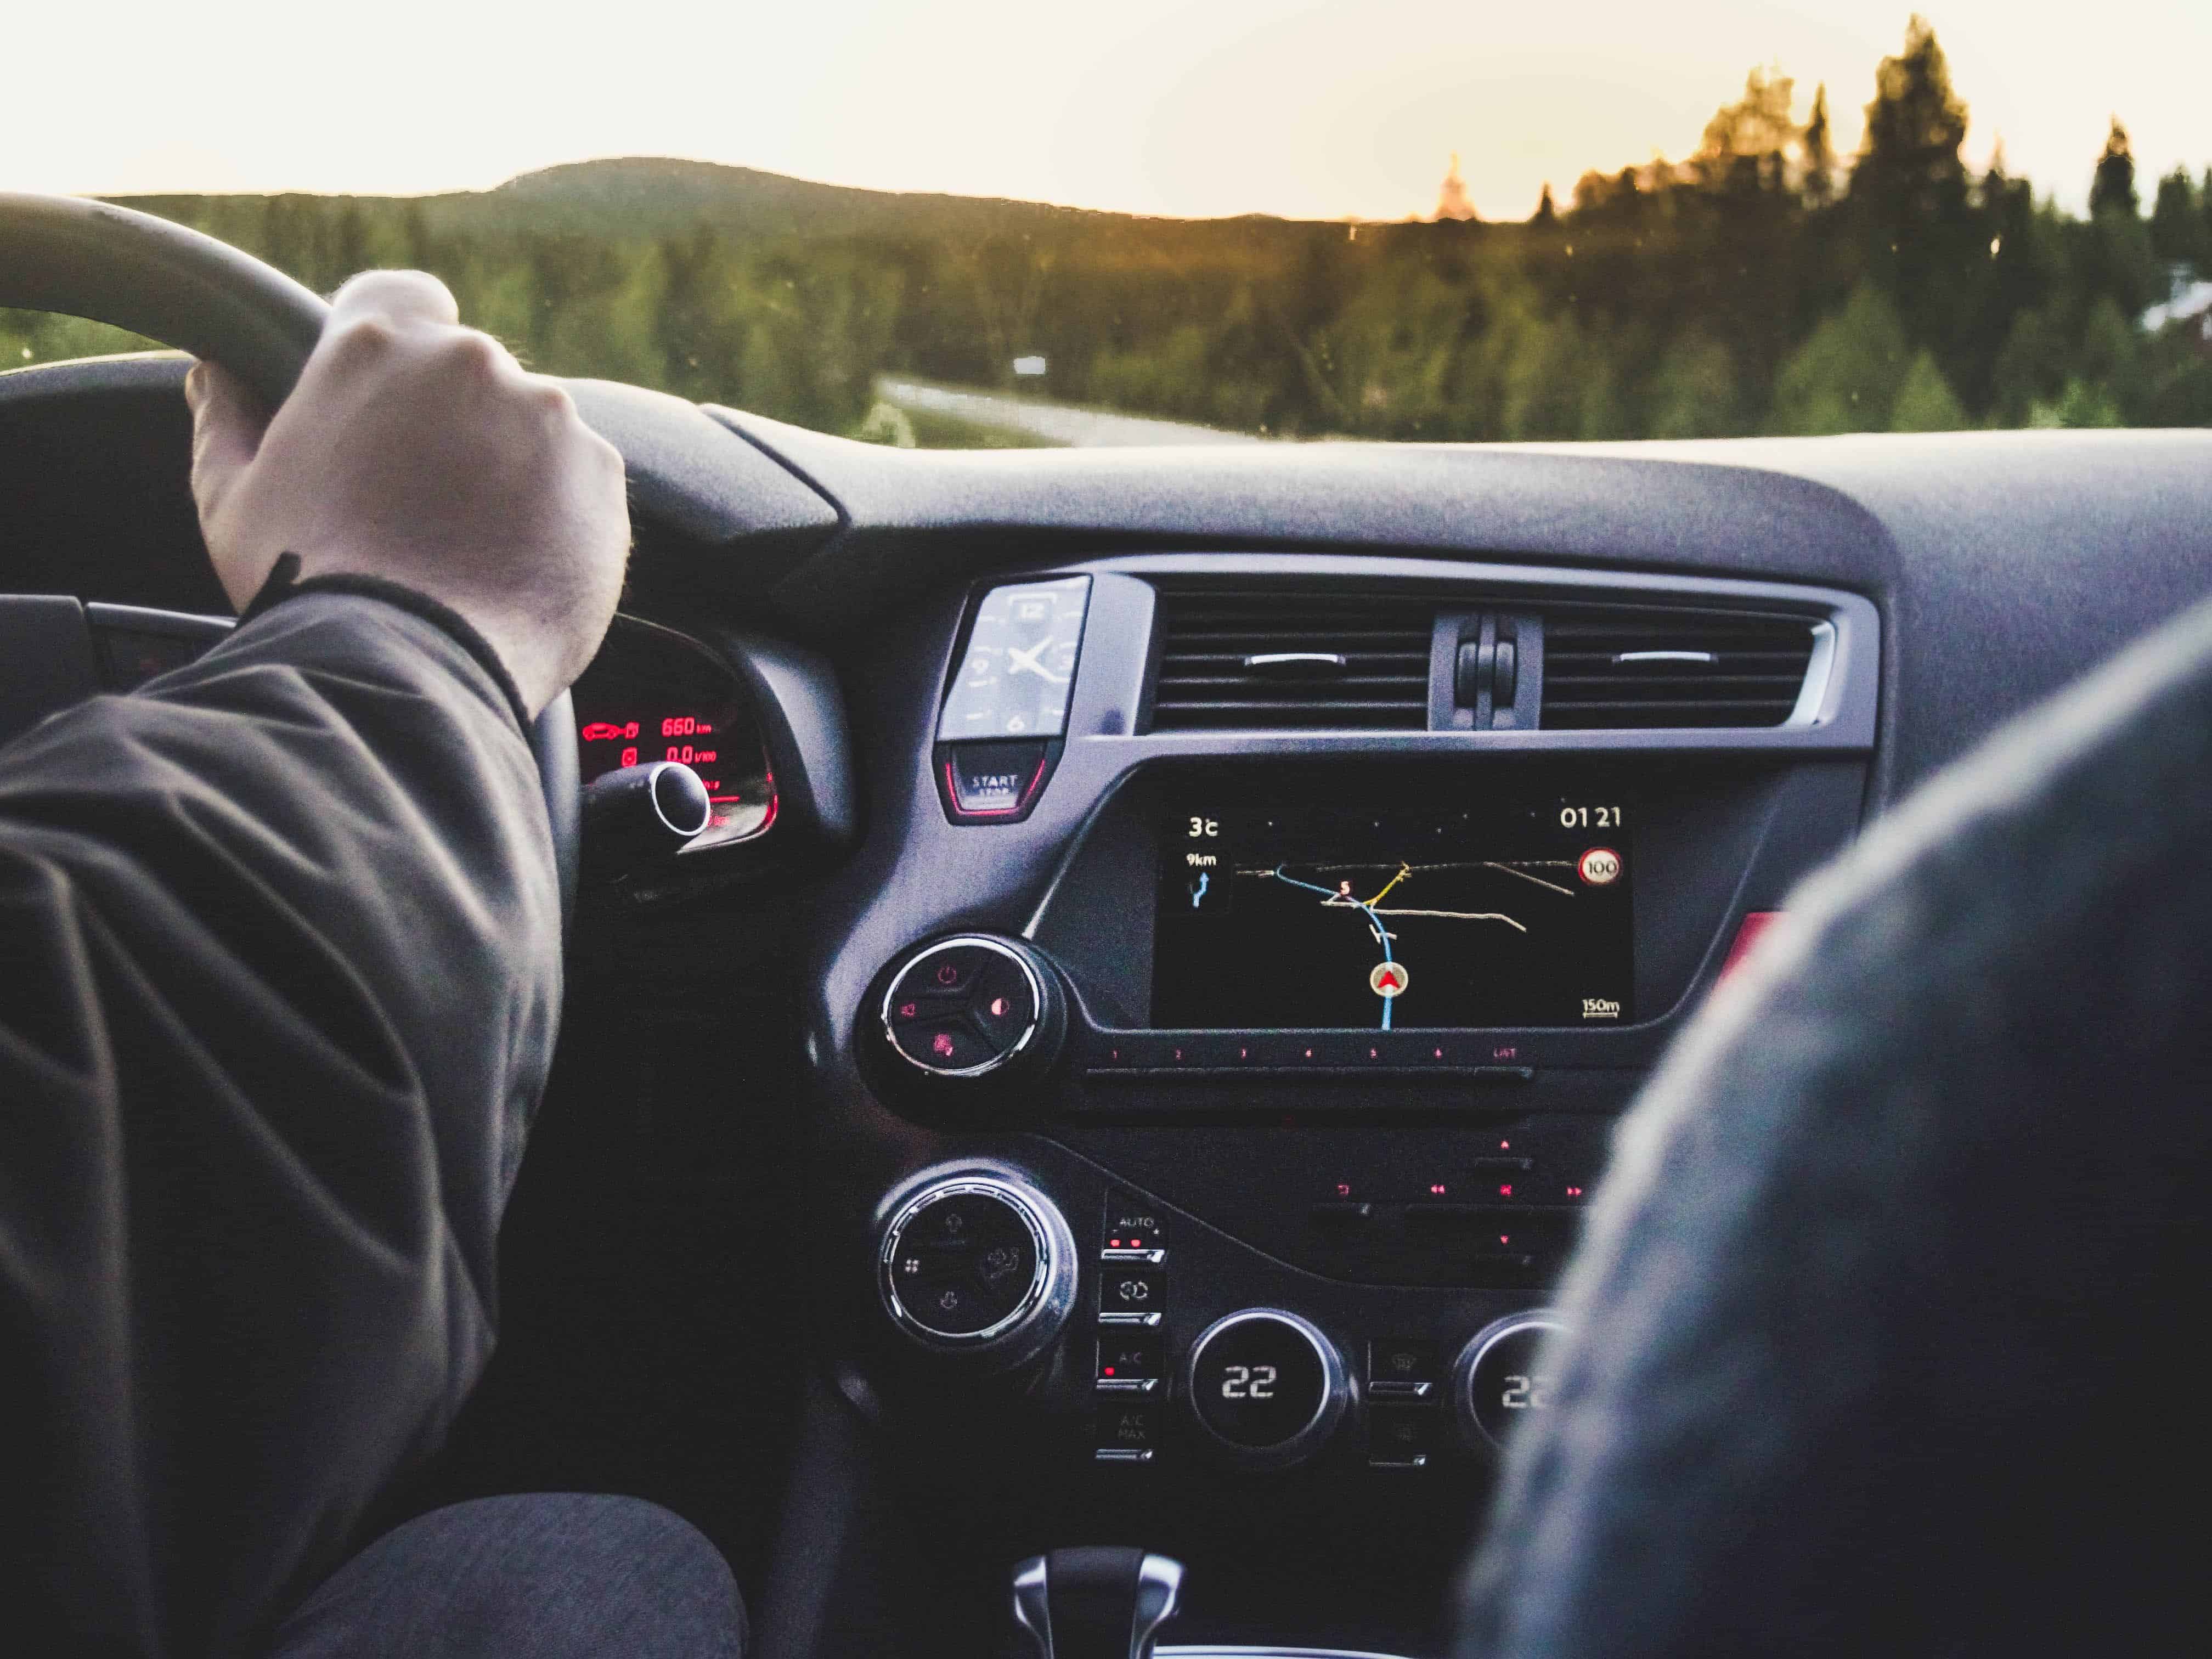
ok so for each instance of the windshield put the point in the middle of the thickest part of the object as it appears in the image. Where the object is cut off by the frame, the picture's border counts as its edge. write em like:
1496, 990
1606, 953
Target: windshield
984, 224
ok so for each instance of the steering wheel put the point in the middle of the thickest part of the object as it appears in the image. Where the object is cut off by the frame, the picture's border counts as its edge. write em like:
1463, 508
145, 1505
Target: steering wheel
111, 264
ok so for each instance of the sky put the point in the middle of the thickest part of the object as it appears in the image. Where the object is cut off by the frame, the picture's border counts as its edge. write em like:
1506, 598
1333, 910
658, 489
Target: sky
1321, 110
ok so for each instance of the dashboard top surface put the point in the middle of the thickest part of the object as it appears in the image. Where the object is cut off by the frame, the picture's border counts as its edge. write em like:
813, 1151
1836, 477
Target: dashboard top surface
2004, 563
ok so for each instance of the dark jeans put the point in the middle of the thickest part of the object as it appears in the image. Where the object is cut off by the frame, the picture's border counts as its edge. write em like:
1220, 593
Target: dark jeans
541, 1575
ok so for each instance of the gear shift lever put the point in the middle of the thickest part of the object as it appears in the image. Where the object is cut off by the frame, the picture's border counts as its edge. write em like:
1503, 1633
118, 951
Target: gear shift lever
1096, 1602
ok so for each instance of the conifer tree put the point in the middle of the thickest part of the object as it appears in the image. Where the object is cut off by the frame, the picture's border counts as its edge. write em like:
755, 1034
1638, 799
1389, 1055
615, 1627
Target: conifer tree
1818, 148
2113, 189
2180, 231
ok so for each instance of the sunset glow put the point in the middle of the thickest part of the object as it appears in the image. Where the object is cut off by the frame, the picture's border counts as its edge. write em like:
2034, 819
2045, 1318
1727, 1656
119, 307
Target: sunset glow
1214, 108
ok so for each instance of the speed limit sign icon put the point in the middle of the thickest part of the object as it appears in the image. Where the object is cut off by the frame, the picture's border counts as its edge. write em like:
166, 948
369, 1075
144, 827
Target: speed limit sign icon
1600, 866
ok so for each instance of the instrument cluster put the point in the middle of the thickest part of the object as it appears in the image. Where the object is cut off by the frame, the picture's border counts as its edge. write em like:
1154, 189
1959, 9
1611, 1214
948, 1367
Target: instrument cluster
653, 694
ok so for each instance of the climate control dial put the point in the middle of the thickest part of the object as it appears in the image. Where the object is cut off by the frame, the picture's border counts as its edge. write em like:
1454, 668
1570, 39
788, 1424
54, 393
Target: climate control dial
977, 1263
1503, 1377
1267, 1387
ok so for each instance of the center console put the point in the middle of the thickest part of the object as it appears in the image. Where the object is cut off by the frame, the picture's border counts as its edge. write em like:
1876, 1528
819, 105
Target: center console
1221, 1062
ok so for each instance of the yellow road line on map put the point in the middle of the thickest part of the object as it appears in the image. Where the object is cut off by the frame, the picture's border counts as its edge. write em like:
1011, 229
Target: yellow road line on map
1402, 874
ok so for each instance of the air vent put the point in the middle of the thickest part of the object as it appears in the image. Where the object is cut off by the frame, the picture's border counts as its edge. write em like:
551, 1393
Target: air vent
1620, 665
1277, 658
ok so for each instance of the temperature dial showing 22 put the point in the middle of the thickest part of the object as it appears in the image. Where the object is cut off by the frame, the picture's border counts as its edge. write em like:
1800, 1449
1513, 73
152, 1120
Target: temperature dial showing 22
1267, 1387
1502, 1377
973, 1004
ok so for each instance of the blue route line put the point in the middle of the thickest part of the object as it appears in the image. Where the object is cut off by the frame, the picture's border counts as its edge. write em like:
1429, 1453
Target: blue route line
1381, 933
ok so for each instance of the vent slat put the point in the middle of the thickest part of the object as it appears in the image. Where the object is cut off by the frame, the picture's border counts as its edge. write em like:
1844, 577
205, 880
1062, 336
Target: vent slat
1205, 634
1758, 670
1562, 687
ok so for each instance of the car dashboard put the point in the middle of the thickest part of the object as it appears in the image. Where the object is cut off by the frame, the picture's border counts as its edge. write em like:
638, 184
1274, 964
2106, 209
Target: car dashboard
1131, 1057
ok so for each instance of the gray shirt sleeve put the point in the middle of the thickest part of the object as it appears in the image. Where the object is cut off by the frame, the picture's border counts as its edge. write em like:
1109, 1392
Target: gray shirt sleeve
279, 974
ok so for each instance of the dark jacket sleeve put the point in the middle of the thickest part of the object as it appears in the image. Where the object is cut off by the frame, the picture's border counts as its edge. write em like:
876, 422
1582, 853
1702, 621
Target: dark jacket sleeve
1887, 1318
279, 974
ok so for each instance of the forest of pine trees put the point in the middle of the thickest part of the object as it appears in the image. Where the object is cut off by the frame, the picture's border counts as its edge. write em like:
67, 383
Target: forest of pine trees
1762, 285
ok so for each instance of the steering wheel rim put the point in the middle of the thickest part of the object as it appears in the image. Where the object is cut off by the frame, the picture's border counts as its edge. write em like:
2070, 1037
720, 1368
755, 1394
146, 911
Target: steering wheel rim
169, 282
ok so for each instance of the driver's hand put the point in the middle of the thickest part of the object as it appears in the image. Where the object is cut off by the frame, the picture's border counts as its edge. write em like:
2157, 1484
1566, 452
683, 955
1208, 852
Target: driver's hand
419, 451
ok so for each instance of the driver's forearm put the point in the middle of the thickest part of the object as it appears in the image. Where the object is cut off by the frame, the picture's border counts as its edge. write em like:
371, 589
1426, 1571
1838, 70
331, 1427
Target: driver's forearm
279, 941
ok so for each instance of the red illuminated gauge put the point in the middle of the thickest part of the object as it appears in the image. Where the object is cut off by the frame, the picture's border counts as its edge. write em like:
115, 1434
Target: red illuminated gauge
653, 694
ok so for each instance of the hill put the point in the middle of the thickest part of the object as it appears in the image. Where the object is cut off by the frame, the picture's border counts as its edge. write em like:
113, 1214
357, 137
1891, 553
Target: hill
631, 197
653, 195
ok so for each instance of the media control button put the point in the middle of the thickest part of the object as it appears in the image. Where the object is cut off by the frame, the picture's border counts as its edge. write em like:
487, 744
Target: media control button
1539, 1230
1340, 1214
1439, 1219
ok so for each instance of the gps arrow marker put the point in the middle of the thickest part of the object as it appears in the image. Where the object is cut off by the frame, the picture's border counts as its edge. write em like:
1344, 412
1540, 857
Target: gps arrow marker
1387, 979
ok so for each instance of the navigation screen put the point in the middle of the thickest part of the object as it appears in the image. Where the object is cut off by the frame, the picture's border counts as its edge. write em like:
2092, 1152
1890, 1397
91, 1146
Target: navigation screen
1513, 912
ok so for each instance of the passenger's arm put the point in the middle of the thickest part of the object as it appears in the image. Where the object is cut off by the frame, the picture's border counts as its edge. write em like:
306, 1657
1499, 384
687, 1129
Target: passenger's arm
1886, 1330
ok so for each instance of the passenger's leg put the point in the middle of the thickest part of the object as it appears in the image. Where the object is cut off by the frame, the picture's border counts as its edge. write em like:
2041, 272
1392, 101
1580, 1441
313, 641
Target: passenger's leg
541, 1575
